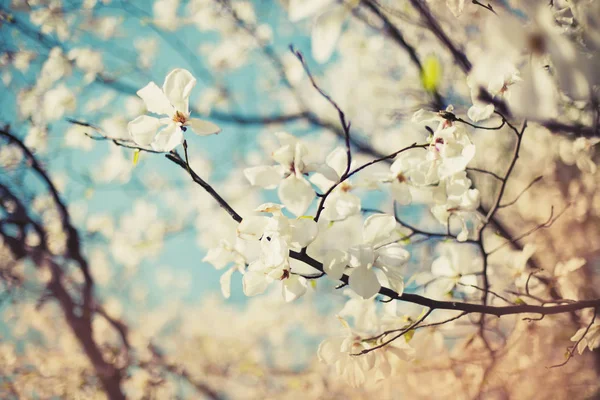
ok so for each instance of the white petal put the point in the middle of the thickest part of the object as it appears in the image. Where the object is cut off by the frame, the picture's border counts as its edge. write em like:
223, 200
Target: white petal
378, 228
396, 284
267, 177
330, 350
341, 205
364, 282
325, 33
299, 9
177, 87
304, 231
254, 283
480, 112
225, 282
202, 127
334, 263
143, 129
293, 287
274, 252
324, 177
252, 228
442, 266
272, 208
285, 155
392, 255
168, 138
219, 257
361, 256
296, 194
401, 192
155, 100
338, 160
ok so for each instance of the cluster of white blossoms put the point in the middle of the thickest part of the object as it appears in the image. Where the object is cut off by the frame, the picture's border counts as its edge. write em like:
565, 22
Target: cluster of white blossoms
164, 134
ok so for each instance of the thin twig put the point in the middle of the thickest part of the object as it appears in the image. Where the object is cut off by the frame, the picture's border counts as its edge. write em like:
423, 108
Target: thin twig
510, 203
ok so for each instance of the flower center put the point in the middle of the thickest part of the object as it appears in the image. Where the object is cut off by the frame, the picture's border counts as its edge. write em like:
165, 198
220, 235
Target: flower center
179, 118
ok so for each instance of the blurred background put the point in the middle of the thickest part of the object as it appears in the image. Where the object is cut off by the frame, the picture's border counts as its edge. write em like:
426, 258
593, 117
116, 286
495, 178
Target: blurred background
103, 287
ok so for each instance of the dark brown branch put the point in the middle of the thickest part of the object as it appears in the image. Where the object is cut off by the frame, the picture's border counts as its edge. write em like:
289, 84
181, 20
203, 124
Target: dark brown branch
341, 115
73, 240
173, 156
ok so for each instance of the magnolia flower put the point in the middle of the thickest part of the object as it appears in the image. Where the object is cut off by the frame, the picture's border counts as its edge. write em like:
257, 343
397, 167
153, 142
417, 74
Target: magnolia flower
165, 134
496, 75
591, 339
295, 192
450, 151
343, 352
328, 23
455, 269
579, 152
403, 171
450, 148
518, 266
277, 236
223, 255
378, 250
455, 198
340, 203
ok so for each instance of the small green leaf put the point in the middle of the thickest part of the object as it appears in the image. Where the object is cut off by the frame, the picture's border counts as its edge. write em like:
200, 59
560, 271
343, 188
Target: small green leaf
519, 301
409, 335
313, 283
136, 157
432, 73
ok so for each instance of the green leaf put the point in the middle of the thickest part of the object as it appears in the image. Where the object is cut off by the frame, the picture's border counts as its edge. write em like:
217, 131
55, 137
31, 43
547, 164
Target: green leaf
313, 283
136, 156
431, 74
409, 335
519, 301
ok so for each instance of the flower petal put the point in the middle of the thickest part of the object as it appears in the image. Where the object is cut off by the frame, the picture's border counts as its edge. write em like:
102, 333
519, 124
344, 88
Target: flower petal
296, 194
338, 160
252, 228
304, 231
299, 9
392, 255
364, 282
168, 138
155, 100
334, 263
442, 266
267, 177
340, 205
293, 287
401, 192
254, 283
219, 257
177, 88
202, 127
225, 282
274, 251
326, 31
143, 129
378, 228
